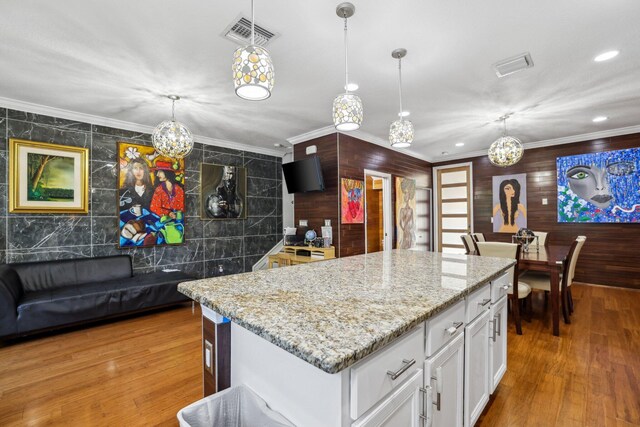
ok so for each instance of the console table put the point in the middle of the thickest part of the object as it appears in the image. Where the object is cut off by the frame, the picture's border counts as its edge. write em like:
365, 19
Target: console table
292, 255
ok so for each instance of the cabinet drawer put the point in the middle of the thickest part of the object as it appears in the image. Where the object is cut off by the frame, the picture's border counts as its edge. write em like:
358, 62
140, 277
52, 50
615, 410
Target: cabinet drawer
478, 302
370, 378
500, 286
439, 327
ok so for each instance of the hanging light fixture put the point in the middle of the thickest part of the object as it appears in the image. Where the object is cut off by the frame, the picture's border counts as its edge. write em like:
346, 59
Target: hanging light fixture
506, 150
347, 107
400, 131
253, 74
171, 138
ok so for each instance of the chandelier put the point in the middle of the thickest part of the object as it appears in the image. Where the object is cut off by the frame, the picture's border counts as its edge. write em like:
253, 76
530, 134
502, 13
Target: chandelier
171, 138
253, 74
400, 131
506, 150
347, 107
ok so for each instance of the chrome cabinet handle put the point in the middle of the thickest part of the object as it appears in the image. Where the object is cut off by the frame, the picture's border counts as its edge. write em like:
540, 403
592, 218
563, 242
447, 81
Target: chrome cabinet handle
506, 287
499, 324
402, 370
453, 329
428, 397
484, 302
493, 332
438, 380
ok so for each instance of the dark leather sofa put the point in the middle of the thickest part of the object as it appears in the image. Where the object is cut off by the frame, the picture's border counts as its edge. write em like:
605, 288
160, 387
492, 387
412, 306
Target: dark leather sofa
38, 296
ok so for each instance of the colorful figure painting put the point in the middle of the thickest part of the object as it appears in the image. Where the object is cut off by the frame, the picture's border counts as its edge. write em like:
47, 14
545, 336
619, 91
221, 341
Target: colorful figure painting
509, 203
406, 213
599, 187
352, 201
150, 197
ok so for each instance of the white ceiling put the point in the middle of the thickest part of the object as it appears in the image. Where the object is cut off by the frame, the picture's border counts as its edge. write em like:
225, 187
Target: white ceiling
116, 59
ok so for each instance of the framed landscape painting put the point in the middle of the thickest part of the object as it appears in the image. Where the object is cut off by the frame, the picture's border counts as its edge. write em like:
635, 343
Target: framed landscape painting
599, 187
352, 198
151, 198
48, 178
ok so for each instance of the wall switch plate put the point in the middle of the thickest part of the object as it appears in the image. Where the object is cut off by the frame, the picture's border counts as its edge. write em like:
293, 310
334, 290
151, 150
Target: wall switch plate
312, 149
545, 201
303, 223
208, 355
491, 220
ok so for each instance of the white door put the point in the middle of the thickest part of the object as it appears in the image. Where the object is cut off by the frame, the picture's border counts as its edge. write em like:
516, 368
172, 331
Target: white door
498, 342
476, 367
444, 372
454, 207
402, 408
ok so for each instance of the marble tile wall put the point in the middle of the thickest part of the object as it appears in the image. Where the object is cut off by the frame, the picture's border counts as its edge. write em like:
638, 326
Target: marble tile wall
212, 247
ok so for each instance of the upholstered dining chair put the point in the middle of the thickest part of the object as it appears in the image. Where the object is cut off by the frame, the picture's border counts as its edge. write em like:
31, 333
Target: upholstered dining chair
468, 243
542, 237
518, 290
478, 237
541, 281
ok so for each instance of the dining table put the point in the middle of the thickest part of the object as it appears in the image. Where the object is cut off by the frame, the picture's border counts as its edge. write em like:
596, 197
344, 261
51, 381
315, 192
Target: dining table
549, 259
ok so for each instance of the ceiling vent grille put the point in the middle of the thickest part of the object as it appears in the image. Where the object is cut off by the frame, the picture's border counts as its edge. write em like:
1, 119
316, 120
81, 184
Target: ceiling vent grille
240, 32
513, 64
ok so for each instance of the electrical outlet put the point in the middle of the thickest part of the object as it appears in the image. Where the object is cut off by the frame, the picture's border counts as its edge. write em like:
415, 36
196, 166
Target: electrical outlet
303, 223
208, 354
545, 201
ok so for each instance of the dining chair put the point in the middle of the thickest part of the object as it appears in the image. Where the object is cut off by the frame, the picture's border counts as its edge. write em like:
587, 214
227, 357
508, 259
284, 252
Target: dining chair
468, 243
542, 237
478, 237
541, 281
509, 250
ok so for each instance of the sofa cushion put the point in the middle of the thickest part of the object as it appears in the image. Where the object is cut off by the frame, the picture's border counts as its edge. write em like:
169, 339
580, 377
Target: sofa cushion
39, 276
10, 294
78, 303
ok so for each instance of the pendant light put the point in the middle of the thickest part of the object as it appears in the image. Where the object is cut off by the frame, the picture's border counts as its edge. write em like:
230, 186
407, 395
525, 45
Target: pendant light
400, 131
347, 107
506, 150
253, 73
171, 138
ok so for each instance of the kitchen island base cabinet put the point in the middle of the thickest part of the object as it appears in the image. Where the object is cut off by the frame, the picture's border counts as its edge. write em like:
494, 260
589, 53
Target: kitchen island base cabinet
498, 342
476, 372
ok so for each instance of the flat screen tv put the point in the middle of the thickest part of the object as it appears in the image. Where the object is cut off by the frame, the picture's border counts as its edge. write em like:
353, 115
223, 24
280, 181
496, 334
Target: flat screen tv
303, 175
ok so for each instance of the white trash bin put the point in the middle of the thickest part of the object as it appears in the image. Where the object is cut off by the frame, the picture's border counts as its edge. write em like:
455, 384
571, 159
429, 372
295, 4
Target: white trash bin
234, 407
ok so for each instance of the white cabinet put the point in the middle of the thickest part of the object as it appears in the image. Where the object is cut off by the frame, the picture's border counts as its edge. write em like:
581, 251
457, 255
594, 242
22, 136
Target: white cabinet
476, 367
402, 408
498, 342
444, 372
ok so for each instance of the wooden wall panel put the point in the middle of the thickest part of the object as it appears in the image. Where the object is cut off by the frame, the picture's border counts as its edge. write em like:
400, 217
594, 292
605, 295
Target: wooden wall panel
318, 206
610, 256
355, 156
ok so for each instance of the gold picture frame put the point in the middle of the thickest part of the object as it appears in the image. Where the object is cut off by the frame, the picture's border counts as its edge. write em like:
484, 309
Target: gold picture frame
48, 178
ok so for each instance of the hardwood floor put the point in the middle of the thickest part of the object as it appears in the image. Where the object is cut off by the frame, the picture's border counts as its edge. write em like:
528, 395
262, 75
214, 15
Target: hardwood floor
142, 370
589, 376
132, 372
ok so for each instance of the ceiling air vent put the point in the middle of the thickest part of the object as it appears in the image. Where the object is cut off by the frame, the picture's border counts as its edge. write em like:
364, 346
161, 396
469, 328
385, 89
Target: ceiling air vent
239, 32
513, 64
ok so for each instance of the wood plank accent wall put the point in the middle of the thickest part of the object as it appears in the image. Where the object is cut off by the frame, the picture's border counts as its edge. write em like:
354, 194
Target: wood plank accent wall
343, 156
611, 255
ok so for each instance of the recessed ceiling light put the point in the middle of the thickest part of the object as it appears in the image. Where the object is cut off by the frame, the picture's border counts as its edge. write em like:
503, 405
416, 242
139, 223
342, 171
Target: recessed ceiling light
404, 114
600, 119
606, 56
351, 87
459, 144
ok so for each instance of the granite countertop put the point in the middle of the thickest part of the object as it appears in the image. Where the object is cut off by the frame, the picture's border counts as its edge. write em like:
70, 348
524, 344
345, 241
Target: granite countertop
336, 312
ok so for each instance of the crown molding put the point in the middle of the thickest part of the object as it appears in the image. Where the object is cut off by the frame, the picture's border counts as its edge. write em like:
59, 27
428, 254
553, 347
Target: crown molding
15, 104
550, 142
327, 130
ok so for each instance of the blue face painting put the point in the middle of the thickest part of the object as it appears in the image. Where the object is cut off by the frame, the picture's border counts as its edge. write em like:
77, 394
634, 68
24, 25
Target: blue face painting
599, 187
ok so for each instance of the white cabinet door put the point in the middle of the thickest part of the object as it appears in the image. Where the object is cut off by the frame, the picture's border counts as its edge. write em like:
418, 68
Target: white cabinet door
444, 372
402, 408
498, 342
476, 367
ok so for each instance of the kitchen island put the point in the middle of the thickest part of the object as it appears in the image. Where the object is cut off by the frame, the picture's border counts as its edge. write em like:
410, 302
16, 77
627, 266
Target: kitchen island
315, 340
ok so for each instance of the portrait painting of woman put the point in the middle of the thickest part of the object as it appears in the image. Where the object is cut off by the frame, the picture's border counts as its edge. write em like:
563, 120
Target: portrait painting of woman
509, 203
405, 212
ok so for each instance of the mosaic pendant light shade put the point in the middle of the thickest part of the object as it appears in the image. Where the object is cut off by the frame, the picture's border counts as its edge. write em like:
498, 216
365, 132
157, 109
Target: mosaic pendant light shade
506, 150
401, 130
171, 138
347, 107
253, 72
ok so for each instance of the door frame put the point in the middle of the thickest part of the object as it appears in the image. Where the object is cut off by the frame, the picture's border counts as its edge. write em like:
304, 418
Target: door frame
436, 200
387, 211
